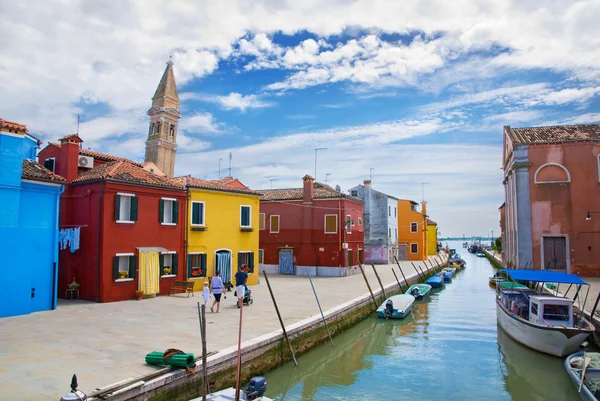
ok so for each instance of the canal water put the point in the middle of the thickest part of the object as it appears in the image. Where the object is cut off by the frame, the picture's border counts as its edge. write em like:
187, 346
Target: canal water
449, 349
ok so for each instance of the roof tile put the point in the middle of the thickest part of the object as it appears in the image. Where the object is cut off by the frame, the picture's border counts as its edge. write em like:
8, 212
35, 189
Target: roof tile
321, 191
12, 126
193, 182
34, 171
556, 133
124, 170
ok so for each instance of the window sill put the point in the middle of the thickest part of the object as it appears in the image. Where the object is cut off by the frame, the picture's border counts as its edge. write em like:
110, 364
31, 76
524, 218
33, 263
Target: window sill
330, 232
274, 232
169, 276
196, 278
125, 222
168, 224
199, 228
246, 229
122, 280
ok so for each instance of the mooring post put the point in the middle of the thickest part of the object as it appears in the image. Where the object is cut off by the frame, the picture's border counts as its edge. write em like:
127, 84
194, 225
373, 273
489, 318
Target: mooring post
418, 274
320, 310
424, 275
368, 286
398, 281
378, 279
280, 320
432, 267
401, 272
594, 308
202, 318
238, 376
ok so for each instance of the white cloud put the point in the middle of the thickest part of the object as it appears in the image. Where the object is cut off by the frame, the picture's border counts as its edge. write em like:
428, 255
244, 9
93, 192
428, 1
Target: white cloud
512, 117
202, 123
241, 102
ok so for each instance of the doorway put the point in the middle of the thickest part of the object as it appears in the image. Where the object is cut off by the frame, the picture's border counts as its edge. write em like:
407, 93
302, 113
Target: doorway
402, 252
223, 264
286, 261
554, 253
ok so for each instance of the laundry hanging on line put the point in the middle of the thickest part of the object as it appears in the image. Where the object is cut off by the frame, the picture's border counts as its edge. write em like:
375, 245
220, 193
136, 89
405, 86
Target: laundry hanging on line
69, 237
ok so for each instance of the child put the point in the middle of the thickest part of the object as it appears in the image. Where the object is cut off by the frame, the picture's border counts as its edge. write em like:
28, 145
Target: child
206, 292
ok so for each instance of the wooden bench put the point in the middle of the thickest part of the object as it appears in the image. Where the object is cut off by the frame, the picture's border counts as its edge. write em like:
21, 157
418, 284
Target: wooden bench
184, 286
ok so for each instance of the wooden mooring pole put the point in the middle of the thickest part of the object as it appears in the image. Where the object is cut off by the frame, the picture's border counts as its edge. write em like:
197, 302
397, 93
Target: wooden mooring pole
398, 281
238, 375
368, 285
401, 272
378, 279
280, 320
418, 274
320, 310
202, 320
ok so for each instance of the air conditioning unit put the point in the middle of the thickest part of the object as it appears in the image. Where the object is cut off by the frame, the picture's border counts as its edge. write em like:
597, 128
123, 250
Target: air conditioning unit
344, 245
85, 162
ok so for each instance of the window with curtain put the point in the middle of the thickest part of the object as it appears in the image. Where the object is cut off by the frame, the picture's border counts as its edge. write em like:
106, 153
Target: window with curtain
261, 221
274, 224
126, 208
331, 224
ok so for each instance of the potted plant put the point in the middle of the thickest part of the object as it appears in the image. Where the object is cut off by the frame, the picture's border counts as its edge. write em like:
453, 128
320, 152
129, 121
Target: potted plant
166, 271
138, 294
123, 274
74, 285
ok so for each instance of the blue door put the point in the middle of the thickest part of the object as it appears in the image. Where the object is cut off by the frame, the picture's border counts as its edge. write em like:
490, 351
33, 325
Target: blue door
286, 262
223, 264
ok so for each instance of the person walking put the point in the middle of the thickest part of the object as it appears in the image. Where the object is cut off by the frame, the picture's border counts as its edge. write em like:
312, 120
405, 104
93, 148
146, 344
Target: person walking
216, 285
240, 284
205, 292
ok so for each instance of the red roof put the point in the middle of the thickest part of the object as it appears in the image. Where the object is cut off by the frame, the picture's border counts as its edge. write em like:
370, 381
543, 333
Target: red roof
34, 171
12, 126
230, 182
321, 191
128, 172
431, 222
193, 182
97, 155
554, 134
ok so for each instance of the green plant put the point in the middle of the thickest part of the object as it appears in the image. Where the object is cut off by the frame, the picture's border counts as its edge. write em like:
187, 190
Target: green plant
139, 293
74, 285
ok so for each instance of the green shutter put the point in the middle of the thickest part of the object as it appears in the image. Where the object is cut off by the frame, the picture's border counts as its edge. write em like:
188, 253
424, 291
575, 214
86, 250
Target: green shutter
239, 259
203, 263
161, 263
174, 262
117, 207
195, 213
116, 267
161, 211
175, 211
251, 262
189, 266
134, 208
132, 266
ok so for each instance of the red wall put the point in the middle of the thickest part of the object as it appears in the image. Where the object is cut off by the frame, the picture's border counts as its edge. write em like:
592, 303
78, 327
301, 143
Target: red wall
302, 227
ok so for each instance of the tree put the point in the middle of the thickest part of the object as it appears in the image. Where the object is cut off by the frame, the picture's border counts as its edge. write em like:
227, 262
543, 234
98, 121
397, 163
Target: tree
498, 245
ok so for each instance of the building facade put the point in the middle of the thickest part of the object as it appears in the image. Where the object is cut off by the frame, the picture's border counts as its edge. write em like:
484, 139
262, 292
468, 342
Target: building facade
312, 230
551, 177
222, 230
412, 231
432, 238
380, 223
502, 209
30, 196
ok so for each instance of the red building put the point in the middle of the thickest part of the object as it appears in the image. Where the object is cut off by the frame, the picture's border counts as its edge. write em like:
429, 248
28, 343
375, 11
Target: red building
131, 224
311, 230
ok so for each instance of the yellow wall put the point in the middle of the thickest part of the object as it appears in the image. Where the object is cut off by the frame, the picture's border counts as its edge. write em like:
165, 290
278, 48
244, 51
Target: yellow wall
222, 221
405, 217
432, 239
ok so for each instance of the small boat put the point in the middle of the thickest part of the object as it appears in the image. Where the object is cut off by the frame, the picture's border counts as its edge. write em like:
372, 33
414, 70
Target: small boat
435, 281
574, 365
419, 291
456, 265
446, 276
256, 389
396, 306
451, 270
511, 285
480, 254
546, 323
498, 277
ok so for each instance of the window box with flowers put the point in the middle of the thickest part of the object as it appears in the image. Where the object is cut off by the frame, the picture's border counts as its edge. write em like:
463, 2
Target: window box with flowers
196, 265
168, 262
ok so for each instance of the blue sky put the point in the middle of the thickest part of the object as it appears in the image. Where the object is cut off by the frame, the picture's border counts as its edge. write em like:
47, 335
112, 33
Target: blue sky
417, 91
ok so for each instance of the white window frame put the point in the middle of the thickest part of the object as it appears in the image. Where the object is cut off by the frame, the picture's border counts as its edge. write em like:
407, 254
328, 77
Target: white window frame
54, 164
271, 223
169, 253
119, 280
411, 226
325, 224
249, 216
360, 221
125, 221
262, 218
172, 200
411, 251
205, 273
349, 226
261, 256
203, 223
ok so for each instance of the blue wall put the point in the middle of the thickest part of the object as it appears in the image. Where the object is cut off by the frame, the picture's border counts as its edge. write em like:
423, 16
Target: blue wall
29, 235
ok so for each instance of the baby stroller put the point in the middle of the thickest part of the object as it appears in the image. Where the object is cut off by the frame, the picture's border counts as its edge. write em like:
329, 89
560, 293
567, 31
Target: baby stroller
247, 296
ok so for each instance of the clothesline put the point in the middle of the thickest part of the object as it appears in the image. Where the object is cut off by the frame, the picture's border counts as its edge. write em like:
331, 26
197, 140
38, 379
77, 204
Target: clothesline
73, 225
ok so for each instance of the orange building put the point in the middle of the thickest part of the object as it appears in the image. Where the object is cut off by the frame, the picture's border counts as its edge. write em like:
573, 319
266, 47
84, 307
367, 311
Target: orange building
412, 230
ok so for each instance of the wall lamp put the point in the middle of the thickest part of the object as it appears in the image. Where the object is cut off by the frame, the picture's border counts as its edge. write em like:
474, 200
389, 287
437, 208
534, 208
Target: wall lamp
589, 215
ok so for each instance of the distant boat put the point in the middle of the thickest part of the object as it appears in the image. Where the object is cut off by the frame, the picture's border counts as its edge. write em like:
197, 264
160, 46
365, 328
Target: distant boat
419, 291
480, 254
446, 276
396, 306
574, 365
435, 281
451, 270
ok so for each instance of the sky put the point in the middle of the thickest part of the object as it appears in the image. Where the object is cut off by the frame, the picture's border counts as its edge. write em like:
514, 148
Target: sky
408, 92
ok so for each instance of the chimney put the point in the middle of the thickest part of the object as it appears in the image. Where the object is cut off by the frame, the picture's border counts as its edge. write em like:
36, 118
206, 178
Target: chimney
309, 188
424, 208
69, 156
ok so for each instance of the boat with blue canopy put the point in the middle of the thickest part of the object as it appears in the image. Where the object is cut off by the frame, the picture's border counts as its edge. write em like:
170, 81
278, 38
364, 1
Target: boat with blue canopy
545, 322
435, 282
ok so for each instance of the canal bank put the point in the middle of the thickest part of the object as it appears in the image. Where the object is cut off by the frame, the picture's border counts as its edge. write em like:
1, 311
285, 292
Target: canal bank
106, 343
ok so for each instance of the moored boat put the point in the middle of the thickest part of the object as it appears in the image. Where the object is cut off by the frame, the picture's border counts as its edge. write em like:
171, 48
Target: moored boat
546, 323
256, 389
396, 306
435, 281
419, 291
446, 276
574, 365
480, 254
450, 270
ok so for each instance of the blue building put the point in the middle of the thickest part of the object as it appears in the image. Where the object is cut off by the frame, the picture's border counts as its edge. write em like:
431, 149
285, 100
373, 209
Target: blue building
29, 200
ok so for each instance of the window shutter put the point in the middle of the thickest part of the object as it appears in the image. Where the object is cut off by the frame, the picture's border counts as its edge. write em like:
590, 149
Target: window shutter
161, 211
203, 263
251, 261
134, 208
117, 207
240, 259
161, 263
174, 262
189, 269
175, 211
132, 267
195, 213
116, 267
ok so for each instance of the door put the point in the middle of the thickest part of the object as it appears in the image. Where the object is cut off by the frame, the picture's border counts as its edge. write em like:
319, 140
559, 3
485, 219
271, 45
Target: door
223, 265
360, 256
402, 252
286, 262
555, 253
350, 258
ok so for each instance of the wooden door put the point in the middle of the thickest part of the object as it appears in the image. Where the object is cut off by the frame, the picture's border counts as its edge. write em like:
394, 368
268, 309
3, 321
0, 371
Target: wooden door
402, 252
360, 257
350, 258
555, 253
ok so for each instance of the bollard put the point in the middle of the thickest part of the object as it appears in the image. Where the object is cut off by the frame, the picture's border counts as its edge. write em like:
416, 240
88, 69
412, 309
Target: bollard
74, 394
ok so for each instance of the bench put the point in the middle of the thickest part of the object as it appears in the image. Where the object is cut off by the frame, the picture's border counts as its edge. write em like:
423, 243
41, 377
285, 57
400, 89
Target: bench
184, 286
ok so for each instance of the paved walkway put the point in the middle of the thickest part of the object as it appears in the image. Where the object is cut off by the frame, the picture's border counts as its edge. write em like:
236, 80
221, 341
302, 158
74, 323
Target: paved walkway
106, 343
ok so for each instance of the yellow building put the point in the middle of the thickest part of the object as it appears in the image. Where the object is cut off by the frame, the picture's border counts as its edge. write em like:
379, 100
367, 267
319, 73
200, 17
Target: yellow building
222, 231
412, 227
432, 239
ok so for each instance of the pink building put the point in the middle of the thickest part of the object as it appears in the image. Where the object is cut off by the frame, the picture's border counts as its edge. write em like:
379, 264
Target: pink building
552, 188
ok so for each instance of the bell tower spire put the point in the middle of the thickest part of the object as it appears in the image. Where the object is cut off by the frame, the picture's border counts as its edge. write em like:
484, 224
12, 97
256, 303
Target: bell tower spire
161, 145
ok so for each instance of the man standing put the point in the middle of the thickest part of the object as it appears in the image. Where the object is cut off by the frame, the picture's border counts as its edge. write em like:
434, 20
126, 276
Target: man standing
240, 284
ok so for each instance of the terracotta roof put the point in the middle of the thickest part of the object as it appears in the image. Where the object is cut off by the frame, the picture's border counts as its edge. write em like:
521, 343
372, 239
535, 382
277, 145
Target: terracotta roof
431, 222
127, 172
321, 191
553, 134
105, 157
12, 126
230, 182
193, 182
34, 171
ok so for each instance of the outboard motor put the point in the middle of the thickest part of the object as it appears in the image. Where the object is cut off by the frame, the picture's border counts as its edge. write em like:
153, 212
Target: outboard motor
389, 308
414, 292
256, 387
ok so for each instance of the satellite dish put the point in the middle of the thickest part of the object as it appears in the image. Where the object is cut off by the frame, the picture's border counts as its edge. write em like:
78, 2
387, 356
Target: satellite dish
337, 188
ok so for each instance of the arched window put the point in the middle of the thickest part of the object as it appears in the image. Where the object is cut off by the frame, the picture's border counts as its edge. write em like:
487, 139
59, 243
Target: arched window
153, 128
551, 173
172, 131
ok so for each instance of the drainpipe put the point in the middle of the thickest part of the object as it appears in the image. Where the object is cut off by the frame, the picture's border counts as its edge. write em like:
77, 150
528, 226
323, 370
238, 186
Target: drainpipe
55, 263
98, 242
184, 261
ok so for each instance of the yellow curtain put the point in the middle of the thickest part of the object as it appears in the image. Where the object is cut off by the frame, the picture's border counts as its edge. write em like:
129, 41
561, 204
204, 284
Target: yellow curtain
149, 266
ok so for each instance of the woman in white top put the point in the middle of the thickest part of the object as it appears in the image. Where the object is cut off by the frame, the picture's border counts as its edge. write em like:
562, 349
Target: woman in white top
216, 285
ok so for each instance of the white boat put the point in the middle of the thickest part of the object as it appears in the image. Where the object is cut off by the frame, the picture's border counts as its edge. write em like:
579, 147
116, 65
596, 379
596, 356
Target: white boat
545, 323
256, 389
574, 365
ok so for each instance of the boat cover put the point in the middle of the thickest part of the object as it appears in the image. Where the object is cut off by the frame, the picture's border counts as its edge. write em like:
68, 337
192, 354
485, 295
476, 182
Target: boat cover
544, 276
